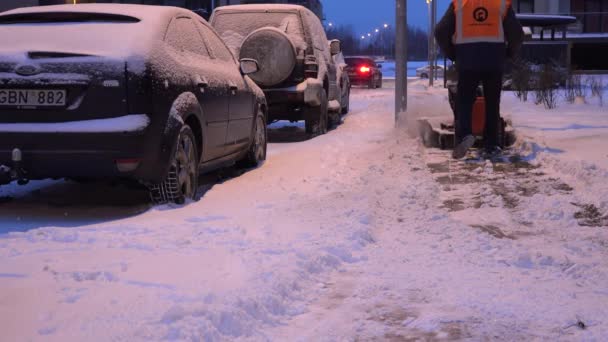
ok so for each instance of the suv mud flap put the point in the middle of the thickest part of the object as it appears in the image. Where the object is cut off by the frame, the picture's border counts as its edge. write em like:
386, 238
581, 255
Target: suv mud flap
312, 93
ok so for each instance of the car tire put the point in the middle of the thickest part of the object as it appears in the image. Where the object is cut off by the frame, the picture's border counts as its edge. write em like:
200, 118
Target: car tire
316, 118
380, 83
181, 182
345, 109
371, 84
256, 153
424, 76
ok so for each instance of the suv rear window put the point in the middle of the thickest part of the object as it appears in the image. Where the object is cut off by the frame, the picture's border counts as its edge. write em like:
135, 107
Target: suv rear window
234, 27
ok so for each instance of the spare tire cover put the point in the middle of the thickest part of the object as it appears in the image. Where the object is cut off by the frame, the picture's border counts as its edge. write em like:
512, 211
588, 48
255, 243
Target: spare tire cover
274, 52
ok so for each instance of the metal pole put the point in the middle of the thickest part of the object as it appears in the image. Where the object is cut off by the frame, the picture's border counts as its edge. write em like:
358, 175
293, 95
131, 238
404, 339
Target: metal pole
401, 61
432, 34
430, 43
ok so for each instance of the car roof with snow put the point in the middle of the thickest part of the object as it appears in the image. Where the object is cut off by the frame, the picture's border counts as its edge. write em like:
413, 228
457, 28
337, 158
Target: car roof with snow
261, 8
141, 12
113, 30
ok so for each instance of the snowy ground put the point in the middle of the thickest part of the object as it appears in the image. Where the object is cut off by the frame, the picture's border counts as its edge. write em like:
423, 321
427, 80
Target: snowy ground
360, 234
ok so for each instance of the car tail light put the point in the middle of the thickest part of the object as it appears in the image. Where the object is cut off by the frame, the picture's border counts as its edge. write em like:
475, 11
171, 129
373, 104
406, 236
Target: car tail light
364, 69
127, 165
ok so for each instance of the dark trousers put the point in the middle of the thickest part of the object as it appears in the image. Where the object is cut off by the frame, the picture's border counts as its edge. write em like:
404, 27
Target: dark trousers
468, 80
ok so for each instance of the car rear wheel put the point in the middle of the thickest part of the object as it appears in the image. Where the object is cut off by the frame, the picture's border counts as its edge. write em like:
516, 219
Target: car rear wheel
346, 107
372, 84
182, 180
424, 76
316, 118
257, 150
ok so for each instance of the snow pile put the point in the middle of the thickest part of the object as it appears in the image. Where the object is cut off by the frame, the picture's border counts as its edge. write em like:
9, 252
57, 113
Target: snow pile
359, 234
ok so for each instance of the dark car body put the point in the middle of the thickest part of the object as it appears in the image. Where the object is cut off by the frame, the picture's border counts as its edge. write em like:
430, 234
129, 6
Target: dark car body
364, 71
312, 81
343, 82
130, 77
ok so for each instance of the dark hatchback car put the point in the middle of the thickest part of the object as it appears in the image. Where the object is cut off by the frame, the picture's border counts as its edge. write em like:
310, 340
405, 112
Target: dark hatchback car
123, 91
364, 71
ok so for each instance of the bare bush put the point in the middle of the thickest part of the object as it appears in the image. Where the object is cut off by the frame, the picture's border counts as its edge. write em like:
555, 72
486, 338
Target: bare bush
574, 88
596, 84
520, 79
549, 78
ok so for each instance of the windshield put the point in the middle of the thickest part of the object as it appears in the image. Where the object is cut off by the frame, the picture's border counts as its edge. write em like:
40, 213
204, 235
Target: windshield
234, 27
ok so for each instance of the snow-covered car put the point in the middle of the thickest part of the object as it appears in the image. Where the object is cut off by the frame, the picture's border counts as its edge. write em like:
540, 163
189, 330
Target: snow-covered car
425, 71
343, 82
297, 72
148, 93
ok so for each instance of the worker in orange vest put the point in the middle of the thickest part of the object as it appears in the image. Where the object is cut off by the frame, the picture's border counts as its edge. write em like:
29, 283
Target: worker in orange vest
479, 35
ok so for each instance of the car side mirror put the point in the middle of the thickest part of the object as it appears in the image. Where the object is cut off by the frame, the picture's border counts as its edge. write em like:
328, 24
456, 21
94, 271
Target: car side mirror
249, 66
379, 66
335, 47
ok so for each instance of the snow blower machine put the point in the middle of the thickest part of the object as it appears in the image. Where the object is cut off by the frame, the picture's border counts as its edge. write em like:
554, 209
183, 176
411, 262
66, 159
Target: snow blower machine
440, 131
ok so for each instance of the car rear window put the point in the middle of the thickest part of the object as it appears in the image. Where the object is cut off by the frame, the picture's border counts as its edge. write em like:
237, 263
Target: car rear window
234, 27
359, 61
86, 33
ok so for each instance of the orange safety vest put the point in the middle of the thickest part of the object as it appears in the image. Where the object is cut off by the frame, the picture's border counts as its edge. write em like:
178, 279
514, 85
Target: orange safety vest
480, 21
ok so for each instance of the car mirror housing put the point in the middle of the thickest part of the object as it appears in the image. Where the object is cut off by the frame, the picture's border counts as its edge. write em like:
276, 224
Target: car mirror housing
379, 65
249, 66
335, 47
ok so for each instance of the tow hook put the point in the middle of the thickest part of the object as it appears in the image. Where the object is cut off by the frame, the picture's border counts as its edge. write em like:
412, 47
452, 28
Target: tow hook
17, 171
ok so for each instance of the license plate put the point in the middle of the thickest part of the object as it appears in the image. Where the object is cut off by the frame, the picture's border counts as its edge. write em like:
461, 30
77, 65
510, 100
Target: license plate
32, 97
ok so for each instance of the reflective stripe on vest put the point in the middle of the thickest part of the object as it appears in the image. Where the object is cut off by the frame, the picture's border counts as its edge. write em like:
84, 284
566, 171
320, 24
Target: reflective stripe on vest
480, 21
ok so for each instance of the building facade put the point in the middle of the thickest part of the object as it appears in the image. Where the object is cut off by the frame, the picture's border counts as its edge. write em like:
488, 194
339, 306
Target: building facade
592, 15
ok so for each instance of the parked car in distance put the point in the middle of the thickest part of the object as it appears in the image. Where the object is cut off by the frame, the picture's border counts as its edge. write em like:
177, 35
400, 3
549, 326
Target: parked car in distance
297, 72
425, 71
107, 91
364, 71
343, 82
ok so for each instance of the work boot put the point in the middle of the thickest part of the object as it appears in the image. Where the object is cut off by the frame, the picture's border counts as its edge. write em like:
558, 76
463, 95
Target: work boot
491, 152
460, 151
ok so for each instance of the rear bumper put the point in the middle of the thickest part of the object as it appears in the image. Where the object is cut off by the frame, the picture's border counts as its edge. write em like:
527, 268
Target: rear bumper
76, 150
359, 79
286, 103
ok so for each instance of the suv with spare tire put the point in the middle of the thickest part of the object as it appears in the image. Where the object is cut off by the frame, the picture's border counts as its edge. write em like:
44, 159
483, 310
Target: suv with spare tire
296, 69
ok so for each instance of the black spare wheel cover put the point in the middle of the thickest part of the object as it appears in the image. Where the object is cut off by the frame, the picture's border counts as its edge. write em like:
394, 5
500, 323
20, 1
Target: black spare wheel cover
274, 52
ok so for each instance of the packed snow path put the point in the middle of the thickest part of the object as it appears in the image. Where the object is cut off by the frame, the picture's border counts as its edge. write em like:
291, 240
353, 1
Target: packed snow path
360, 234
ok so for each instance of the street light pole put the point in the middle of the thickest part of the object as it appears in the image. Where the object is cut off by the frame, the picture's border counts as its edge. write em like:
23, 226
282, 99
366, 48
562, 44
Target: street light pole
432, 34
400, 61
429, 4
